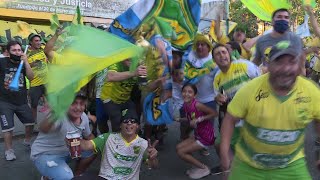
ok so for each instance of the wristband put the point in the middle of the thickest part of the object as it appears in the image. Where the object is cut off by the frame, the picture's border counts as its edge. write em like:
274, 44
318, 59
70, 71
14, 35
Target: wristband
199, 119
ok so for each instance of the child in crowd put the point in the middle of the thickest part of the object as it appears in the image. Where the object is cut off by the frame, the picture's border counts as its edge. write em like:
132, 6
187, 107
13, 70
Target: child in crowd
198, 115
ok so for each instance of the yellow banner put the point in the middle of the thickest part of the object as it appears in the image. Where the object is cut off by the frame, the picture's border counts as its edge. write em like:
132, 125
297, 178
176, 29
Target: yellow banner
20, 31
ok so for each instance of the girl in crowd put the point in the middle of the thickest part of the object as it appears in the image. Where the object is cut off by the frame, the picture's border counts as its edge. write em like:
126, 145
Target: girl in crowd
198, 115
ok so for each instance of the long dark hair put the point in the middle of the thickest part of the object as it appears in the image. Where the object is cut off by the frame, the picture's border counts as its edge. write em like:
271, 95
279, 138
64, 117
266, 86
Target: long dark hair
194, 87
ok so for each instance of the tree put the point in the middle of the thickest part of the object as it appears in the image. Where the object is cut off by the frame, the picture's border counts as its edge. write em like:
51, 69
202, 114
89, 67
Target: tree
244, 18
248, 21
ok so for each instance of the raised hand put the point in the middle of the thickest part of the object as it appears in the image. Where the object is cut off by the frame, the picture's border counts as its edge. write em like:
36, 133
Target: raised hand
152, 152
60, 30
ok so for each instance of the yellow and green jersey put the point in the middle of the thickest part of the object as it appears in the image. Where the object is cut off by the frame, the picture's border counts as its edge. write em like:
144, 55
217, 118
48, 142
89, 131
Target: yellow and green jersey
239, 73
118, 92
38, 62
273, 131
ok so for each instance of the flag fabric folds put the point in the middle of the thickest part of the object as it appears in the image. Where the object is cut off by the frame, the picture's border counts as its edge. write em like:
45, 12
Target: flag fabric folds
303, 29
311, 3
263, 9
155, 111
176, 21
90, 51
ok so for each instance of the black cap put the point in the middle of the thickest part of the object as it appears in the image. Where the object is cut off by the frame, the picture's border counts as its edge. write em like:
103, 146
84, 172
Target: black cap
128, 115
81, 95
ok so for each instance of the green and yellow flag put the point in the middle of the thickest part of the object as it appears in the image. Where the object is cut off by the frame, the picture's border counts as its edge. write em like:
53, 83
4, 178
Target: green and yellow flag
263, 9
90, 51
311, 3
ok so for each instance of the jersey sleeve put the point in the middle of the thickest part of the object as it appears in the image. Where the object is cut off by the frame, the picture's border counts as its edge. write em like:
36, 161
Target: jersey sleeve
215, 83
86, 131
113, 67
238, 107
253, 70
99, 142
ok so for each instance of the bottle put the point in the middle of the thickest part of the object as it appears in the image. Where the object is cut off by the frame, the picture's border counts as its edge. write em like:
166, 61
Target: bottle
222, 108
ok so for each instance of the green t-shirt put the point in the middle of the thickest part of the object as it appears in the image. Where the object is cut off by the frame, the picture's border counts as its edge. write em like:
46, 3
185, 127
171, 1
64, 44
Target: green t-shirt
118, 92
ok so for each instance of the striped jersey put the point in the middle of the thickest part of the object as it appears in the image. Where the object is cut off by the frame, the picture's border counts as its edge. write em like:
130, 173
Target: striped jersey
118, 92
239, 73
120, 159
274, 126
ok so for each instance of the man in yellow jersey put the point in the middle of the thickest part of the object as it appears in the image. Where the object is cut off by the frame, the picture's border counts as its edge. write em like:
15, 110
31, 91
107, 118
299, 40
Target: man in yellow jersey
276, 108
230, 77
38, 62
116, 91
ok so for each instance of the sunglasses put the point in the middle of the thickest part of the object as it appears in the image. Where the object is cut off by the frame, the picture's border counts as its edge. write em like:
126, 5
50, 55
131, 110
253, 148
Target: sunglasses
132, 121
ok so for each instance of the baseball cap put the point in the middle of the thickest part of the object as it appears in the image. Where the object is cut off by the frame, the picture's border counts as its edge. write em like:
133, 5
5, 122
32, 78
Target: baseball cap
32, 35
203, 38
282, 48
81, 94
128, 115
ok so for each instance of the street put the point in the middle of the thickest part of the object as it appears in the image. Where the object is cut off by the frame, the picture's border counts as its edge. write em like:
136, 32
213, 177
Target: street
171, 167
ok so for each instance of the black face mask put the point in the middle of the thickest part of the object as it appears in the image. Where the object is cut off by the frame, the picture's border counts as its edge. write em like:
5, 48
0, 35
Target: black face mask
15, 57
281, 26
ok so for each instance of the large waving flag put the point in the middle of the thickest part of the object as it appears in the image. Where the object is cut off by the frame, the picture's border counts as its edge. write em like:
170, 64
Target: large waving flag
90, 51
263, 9
176, 21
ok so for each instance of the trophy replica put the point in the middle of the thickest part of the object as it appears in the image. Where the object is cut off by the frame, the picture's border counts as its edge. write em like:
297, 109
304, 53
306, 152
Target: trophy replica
141, 42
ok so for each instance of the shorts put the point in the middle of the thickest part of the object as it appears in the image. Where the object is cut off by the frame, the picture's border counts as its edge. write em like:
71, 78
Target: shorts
101, 114
234, 139
57, 167
296, 170
202, 145
35, 93
7, 110
114, 111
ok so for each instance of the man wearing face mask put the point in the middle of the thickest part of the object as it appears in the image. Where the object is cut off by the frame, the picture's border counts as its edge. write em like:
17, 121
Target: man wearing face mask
281, 31
14, 102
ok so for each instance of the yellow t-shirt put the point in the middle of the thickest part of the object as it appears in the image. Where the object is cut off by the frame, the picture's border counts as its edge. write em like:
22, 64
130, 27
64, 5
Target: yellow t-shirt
273, 131
38, 62
118, 92
239, 73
